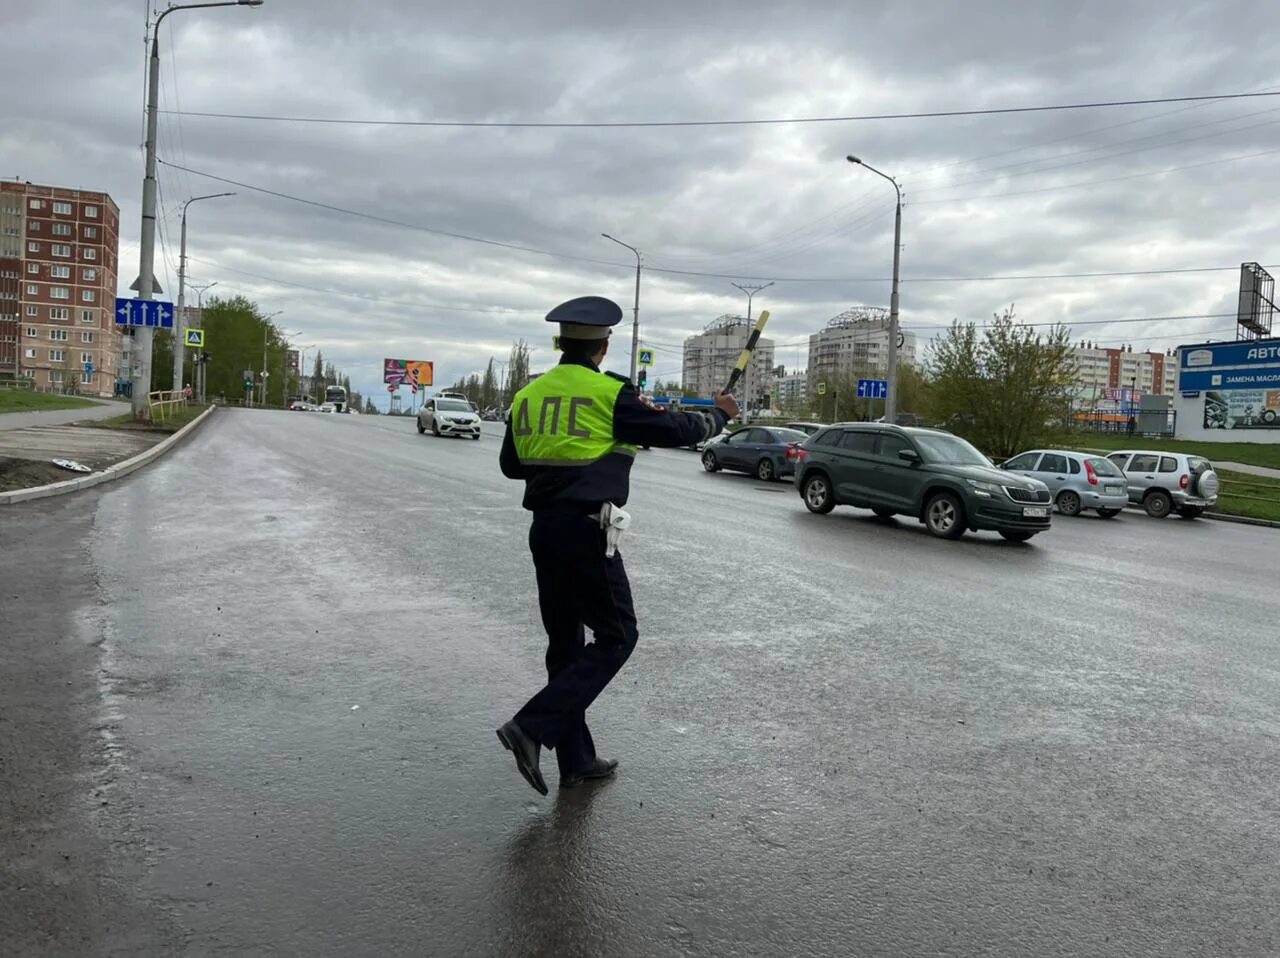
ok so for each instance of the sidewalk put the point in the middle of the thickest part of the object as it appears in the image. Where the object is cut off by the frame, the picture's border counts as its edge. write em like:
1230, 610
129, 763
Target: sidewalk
1249, 470
57, 417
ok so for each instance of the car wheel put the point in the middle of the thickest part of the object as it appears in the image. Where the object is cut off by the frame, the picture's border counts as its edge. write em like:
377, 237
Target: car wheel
764, 470
421, 428
1108, 513
883, 513
1190, 512
1068, 503
1158, 504
435, 430
944, 516
709, 461
1016, 535
1268, 416
817, 494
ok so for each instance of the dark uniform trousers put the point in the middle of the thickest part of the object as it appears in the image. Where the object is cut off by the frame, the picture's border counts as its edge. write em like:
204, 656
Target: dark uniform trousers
577, 586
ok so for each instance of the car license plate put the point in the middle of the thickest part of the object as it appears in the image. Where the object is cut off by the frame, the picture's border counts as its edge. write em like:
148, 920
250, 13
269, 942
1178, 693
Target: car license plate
1035, 512
1114, 490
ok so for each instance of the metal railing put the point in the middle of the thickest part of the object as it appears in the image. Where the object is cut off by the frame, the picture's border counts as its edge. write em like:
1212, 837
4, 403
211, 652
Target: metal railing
165, 403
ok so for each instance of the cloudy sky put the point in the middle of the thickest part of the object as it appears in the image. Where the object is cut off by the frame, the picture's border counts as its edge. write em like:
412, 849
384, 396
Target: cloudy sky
1179, 186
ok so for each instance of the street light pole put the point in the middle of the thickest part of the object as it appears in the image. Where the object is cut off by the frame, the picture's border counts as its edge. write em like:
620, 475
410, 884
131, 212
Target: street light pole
180, 326
140, 354
891, 373
635, 316
266, 328
200, 363
748, 378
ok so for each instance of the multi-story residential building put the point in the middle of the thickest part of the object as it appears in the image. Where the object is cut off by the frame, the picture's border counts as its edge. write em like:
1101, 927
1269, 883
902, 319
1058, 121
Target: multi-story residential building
709, 357
791, 390
1107, 376
856, 340
64, 246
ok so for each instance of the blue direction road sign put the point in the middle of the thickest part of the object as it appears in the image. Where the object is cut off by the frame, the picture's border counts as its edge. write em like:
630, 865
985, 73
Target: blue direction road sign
873, 388
144, 312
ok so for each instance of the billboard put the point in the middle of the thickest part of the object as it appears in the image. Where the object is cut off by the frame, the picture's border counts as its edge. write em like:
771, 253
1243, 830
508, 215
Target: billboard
1242, 409
414, 373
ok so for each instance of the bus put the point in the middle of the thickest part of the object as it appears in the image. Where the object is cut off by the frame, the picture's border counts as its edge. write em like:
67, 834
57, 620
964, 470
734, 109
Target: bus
336, 395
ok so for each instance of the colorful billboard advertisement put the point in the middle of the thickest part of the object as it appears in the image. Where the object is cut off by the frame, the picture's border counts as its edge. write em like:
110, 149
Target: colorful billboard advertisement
413, 373
1242, 409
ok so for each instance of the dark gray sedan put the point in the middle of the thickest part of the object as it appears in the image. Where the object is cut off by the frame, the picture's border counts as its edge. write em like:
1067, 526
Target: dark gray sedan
759, 450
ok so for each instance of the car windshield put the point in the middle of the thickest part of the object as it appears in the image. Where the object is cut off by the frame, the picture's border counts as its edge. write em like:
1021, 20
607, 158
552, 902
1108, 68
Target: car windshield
1105, 467
790, 435
452, 405
937, 447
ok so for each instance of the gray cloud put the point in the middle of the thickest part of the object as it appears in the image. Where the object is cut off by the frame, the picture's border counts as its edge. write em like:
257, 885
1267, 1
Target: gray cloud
774, 201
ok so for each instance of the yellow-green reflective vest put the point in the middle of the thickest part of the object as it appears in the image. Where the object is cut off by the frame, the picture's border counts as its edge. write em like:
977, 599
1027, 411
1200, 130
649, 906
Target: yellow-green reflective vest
565, 418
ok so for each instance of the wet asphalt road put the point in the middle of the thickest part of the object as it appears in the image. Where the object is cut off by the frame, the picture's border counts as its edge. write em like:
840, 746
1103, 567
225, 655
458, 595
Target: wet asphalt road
838, 736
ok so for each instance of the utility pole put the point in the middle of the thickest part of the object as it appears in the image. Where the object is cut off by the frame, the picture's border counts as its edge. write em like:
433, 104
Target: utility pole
891, 372
143, 338
201, 359
748, 383
635, 315
180, 327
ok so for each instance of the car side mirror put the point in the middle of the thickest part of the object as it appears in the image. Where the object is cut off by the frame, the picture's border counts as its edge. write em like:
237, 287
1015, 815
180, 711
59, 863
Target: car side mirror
910, 455
1002, 465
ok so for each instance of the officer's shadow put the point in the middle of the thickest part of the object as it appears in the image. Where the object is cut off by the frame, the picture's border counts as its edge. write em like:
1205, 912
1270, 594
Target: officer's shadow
547, 880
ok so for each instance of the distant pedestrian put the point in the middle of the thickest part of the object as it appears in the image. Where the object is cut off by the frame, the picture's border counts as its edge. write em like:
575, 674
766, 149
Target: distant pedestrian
571, 436
186, 392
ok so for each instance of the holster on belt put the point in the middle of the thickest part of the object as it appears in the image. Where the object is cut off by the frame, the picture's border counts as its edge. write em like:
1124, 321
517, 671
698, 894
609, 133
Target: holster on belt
614, 520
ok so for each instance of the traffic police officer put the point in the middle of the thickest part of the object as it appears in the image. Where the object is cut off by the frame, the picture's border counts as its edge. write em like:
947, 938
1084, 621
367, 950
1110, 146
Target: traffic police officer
571, 436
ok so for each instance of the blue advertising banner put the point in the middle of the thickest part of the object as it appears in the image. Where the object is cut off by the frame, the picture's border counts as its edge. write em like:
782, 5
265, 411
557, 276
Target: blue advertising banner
1230, 379
1263, 352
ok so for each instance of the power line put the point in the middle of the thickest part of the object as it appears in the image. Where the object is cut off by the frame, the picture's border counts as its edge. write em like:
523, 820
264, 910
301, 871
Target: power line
685, 272
768, 121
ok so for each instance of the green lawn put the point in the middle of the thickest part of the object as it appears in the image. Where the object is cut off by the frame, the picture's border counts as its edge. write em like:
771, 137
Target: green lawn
173, 422
1251, 496
24, 400
1249, 453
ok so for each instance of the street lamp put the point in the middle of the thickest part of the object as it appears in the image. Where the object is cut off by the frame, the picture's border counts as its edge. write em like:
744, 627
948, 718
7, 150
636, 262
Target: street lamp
266, 328
143, 338
179, 332
891, 374
202, 358
635, 318
747, 385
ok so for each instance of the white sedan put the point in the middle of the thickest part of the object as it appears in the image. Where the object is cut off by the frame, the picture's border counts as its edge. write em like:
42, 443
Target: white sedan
448, 417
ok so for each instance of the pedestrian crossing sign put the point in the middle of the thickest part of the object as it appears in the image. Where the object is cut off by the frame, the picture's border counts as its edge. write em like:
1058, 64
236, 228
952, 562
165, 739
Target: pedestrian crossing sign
646, 357
195, 338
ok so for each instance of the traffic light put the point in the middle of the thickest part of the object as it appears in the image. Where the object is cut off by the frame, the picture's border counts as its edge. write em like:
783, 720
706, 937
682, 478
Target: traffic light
643, 378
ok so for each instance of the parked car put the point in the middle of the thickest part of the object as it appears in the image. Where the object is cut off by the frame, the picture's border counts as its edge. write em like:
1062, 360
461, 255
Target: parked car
808, 428
934, 476
759, 450
1164, 482
448, 417
1077, 480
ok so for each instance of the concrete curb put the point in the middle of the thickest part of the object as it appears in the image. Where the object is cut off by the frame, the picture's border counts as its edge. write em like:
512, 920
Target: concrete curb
116, 471
1242, 520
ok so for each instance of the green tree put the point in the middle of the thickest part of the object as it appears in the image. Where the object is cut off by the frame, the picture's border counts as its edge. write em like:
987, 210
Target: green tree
489, 388
517, 370
1005, 388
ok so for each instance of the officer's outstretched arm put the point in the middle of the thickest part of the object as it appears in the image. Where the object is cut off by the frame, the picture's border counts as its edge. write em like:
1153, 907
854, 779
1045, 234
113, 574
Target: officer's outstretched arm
638, 423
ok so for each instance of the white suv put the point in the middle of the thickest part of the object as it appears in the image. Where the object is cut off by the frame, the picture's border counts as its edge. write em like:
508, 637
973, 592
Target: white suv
446, 416
1164, 482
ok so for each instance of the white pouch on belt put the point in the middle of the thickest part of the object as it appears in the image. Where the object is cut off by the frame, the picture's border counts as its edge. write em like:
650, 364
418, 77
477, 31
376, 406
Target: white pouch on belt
614, 520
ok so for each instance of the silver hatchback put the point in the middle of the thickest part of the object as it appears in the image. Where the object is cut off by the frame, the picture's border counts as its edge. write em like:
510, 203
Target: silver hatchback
1077, 480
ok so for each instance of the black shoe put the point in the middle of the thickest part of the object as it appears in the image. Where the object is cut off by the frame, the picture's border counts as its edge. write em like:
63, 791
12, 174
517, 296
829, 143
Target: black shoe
599, 768
526, 752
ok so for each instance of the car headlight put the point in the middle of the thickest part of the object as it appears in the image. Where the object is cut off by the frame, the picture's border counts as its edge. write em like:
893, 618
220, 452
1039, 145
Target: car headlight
984, 489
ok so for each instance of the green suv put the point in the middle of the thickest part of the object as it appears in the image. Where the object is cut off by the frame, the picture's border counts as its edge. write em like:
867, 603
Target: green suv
932, 475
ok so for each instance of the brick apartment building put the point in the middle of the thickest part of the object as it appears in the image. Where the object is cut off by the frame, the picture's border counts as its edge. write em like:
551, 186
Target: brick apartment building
59, 253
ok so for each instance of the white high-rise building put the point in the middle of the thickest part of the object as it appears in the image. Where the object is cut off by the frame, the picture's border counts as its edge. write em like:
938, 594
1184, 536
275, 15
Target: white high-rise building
709, 358
856, 340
